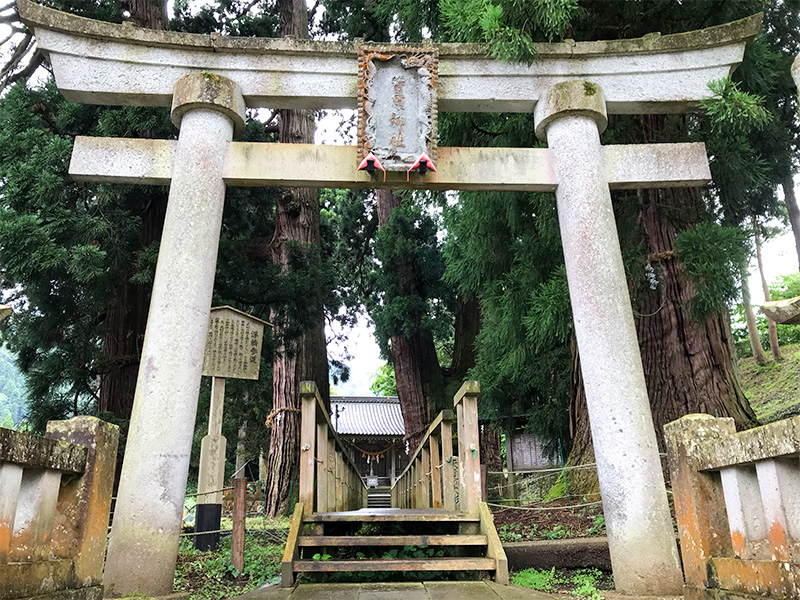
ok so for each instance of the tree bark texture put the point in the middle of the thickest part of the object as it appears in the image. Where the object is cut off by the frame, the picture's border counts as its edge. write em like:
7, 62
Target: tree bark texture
151, 14
467, 326
416, 366
126, 320
752, 327
297, 219
129, 303
772, 328
688, 367
794, 212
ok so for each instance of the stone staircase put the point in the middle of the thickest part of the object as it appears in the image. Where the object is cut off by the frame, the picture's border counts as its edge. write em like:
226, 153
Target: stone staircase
380, 497
385, 540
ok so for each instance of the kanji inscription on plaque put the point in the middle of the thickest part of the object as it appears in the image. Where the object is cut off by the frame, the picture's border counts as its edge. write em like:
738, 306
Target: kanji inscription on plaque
397, 104
233, 345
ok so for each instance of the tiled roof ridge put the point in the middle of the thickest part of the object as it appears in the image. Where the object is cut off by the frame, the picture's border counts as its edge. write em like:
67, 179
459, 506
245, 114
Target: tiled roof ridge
365, 399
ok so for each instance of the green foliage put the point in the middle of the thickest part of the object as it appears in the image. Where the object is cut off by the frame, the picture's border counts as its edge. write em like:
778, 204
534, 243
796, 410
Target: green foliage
598, 525
210, 575
732, 109
785, 287
712, 256
510, 533
536, 579
383, 382
510, 27
12, 390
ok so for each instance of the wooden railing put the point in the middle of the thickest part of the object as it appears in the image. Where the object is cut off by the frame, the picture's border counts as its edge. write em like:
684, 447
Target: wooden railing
55, 498
429, 479
329, 479
737, 504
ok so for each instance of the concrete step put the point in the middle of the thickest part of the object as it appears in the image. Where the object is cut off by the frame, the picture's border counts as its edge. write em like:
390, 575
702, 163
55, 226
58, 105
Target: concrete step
391, 540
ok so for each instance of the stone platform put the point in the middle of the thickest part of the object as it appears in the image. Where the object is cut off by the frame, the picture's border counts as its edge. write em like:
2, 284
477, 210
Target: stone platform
433, 590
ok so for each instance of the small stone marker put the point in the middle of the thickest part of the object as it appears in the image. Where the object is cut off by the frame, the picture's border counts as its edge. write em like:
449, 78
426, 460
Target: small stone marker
233, 346
397, 104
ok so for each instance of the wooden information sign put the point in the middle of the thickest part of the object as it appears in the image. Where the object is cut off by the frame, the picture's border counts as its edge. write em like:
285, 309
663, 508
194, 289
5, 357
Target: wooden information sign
233, 345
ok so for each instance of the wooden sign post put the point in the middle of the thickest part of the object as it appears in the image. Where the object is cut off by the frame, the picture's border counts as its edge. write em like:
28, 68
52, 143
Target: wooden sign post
233, 349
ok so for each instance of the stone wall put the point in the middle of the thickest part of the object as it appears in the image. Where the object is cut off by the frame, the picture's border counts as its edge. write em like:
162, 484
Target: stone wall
55, 498
737, 504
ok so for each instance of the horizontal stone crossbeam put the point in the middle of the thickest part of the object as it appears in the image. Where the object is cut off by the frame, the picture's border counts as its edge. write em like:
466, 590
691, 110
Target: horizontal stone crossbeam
32, 451
141, 161
104, 63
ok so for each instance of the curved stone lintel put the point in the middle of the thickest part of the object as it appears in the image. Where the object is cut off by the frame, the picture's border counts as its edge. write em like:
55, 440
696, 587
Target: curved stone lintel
105, 63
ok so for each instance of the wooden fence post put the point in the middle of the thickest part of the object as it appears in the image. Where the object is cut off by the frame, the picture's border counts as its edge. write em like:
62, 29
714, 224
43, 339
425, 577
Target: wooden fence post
239, 521
308, 430
469, 460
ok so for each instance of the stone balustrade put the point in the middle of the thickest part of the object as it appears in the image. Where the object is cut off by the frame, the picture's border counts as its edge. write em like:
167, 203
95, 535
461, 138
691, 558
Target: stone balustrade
55, 497
737, 504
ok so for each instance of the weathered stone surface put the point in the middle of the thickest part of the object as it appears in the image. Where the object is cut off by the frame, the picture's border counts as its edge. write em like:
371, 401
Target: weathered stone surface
563, 554
84, 503
144, 537
208, 91
644, 555
774, 440
5, 312
636, 76
699, 501
796, 71
38, 452
785, 312
10, 481
571, 98
501, 169
86, 593
22, 579
36, 513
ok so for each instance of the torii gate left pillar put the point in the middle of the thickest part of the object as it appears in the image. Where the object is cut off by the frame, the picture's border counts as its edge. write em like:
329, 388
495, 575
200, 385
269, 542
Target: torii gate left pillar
147, 518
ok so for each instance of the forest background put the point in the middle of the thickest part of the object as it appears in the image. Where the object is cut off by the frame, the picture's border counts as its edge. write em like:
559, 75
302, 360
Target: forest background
457, 285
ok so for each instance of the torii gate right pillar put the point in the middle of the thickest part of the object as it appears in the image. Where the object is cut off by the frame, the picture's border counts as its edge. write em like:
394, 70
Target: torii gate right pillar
644, 554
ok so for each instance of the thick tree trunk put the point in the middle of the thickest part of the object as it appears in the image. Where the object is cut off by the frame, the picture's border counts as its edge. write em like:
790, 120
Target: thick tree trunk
151, 14
297, 220
752, 327
794, 211
416, 366
467, 327
772, 329
688, 367
126, 320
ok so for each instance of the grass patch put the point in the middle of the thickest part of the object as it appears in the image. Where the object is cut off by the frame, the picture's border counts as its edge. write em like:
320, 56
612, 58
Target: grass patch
210, 575
774, 389
586, 584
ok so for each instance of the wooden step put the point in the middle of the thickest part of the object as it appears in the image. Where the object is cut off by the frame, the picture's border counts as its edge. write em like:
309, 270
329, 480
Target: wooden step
386, 564
392, 540
394, 515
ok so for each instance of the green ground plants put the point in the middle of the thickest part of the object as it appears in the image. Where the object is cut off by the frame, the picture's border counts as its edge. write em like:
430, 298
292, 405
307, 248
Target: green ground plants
585, 584
210, 575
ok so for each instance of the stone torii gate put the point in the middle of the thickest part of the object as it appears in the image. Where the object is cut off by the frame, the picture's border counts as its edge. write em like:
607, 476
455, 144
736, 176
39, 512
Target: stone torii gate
209, 80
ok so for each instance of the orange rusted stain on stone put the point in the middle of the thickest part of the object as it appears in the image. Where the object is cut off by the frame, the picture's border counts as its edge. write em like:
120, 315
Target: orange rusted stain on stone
737, 539
762, 577
5, 536
778, 542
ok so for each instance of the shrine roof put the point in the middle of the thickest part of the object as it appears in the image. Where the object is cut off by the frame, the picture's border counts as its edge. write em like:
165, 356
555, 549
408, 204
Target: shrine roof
377, 416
